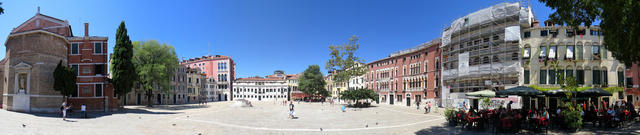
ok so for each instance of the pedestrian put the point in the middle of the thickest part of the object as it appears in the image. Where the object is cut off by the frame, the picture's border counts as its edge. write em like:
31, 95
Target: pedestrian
426, 109
64, 103
64, 112
83, 109
291, 110
344, 108
418, 104
429, 106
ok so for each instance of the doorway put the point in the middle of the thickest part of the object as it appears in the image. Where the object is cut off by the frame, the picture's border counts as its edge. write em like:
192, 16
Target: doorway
408, 100
159, 99
139, 99
174, 99
390, 99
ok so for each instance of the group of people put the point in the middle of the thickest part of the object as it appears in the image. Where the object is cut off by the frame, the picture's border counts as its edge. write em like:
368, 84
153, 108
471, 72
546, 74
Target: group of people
508, 119
64, 108
427, 106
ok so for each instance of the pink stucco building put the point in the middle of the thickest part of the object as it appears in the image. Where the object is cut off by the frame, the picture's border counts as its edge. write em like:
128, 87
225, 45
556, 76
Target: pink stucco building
222, 69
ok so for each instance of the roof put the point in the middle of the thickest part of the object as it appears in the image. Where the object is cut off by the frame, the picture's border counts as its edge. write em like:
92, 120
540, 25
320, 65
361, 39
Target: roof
46, 17
419, 47
293, 76
203, 58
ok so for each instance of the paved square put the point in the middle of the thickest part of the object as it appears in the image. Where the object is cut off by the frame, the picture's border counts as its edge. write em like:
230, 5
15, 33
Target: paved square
227, 118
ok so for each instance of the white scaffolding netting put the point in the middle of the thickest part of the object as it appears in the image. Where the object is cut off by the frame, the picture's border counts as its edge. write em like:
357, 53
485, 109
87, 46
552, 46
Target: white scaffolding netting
493, 13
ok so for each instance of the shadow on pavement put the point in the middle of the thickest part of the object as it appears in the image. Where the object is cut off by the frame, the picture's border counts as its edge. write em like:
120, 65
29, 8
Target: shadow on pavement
446, 129
78, 114
175, 107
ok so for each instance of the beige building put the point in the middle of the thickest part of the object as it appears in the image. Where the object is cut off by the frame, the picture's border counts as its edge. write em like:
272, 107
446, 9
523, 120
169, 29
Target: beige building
196, 83
550, 50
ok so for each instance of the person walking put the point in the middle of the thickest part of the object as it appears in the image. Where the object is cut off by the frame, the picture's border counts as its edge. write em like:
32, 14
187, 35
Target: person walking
418, 104
291, 106
429, 106
64, 103
64, 112
83, 109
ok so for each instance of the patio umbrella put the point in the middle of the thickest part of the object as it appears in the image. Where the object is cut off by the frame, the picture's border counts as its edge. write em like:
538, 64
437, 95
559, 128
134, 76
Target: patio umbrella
594, 92
558, 92
482, 93
520, 91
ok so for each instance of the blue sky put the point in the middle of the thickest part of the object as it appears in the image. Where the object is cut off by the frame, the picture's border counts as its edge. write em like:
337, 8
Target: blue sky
260, 35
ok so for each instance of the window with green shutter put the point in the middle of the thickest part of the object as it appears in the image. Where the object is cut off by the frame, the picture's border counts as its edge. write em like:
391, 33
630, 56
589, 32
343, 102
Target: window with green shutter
579, 52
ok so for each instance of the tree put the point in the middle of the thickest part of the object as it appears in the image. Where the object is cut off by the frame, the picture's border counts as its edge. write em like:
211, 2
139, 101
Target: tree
64, 80
619, 22
154, 64
123, 72
312, 82
1, 9
344, 61
359, 94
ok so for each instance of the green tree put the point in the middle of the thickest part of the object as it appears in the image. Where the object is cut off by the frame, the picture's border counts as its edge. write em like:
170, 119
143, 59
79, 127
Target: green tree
344, 61
154, 64
359, 94
312, 82
64, 80
1, 9
123, 72
619, 22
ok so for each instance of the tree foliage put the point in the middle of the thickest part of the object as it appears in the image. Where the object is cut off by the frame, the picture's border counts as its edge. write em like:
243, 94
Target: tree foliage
312, 82
619, 22
344, 62
154, 64
123, 71
64, 80
1, 9
359, 94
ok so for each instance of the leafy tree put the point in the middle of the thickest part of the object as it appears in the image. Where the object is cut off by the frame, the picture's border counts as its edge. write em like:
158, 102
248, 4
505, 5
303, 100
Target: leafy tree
344, 61
64, 80
359, 94
1, 9
154, 64
312, 82
619, 22
123, 71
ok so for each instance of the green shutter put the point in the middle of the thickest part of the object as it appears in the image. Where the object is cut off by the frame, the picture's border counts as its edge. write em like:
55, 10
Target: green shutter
579, 52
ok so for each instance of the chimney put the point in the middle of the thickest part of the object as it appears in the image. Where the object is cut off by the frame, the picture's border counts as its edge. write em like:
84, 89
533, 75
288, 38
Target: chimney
86, 29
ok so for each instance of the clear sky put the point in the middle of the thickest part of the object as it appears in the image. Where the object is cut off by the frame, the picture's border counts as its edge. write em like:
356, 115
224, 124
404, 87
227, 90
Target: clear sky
260, 35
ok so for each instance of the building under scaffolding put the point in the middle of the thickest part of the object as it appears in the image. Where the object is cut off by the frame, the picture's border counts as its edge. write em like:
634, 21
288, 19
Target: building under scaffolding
481, 50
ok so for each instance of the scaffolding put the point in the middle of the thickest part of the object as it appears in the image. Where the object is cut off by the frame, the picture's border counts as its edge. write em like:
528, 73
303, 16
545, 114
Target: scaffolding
481, 50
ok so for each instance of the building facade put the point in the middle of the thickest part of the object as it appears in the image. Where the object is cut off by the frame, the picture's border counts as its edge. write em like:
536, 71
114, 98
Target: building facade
553, 52
221, 68
176, 94
480, 50
261, 89
407, 76
196, 83
632, 80
294, 92
88, 58
35, 48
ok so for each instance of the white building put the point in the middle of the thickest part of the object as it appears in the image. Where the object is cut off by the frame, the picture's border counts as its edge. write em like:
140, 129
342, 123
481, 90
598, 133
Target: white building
260, 89
212, 91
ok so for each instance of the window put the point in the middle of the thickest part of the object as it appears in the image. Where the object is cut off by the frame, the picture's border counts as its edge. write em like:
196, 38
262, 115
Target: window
86, 70
514, 56
603, 53
543, 76
552, 77
620, 79
526, 76
544, 33
580, 77
569, 72
98, 90
99, 69
579, 52
97, 47
570, 52
75, 48
75, 69
543, 52
496, 37
527, 34
552, 52
629, 82
596, 52
605, 77
595, 77
527, 52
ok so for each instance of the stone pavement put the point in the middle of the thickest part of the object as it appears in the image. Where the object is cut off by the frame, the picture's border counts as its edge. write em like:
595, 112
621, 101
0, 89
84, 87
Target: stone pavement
224, 118
263, 118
